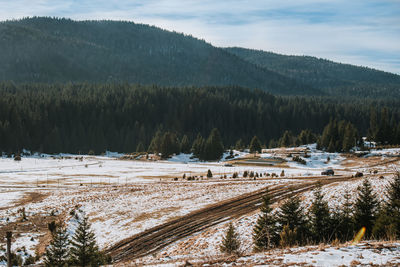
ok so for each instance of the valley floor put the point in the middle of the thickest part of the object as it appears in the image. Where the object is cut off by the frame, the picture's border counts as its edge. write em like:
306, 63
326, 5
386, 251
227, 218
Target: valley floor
125, 197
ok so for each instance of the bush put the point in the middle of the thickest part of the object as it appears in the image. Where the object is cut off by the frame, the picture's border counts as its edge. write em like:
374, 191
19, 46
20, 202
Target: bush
299, 160
209, 174
230, 242
288, 237
359, 174
245, 174
235, 175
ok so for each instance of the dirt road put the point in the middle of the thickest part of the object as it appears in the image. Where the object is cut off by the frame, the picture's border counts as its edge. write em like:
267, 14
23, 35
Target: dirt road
158, 237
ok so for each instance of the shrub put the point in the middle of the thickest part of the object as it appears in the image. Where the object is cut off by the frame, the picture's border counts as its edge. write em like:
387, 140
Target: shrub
230, 242
288, 237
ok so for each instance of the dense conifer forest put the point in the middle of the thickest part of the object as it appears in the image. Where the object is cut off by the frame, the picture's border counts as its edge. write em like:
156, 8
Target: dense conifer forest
118, 117
54, 50
57, 50
80, 86
330, 77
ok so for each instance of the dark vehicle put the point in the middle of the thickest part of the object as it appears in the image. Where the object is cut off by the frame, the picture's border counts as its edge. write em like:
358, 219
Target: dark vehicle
328, 172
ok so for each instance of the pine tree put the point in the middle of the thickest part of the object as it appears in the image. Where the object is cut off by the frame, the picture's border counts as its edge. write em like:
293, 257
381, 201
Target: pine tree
198, 146
155, 143
255, 145
373, 125
265, 231
169, 145
320, 219
185, 145
239, 145
388, 223
291, 214
84, 250
209, 174
365, 208
230, 242
57, 253
213, 148
286, 140
343, 219
349, 138
140, 147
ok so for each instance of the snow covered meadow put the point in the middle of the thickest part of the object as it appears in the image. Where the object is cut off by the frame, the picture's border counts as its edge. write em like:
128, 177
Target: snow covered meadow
125, 197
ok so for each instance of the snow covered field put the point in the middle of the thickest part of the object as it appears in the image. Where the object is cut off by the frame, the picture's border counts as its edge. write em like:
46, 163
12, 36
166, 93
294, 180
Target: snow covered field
125, 197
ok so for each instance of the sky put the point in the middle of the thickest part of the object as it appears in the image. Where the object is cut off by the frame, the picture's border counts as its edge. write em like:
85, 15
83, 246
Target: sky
360, 32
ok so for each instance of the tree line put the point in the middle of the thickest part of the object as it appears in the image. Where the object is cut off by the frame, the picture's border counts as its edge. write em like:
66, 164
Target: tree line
290, 225
78, 118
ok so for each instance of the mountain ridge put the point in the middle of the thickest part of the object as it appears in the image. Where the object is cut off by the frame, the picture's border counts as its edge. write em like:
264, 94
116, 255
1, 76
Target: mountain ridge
59, 50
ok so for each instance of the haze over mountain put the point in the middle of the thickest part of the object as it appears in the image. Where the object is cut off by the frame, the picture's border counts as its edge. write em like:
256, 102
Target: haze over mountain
331, 77
53, 50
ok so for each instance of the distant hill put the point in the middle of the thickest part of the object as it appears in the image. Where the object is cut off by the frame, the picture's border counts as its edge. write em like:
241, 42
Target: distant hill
51, 50
331, 77
61, 50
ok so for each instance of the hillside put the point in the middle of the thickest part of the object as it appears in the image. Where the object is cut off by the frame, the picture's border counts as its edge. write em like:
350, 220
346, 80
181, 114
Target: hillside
62, 50
331, 77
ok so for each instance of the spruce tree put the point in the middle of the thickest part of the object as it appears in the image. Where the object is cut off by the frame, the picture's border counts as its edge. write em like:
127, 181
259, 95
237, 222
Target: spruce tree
213, 148
265, 234
286, 140
209, 174
57, 253
140, 147
185, 145
320, 219
349, 138
84, 250
255, 145
169, 145
155, 143
388, 223
343, 219
198, 146
365, 208
240, 146
230, 242
291, 214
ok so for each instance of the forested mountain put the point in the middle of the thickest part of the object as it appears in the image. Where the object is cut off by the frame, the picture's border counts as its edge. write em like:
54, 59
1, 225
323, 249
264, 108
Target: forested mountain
70, 117
61, 50
331, 77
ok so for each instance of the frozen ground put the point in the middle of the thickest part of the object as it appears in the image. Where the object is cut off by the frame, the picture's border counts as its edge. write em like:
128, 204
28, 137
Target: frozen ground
124, 197
362, 254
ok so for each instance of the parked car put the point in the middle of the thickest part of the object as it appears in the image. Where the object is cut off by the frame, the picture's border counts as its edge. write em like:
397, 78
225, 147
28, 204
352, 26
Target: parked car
328, 172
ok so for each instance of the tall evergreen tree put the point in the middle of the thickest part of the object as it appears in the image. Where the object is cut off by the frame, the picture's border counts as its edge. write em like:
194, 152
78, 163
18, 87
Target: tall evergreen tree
373, 125
388, 223
255, 145
265, 233
213, 148
140, 147
320, 218
349, 137
84, 250
291, 214
169, 145
185, 145
343, 219
198, 146
366, 207
57, 253
286, 140
230, 242
239, 145
155, 144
